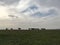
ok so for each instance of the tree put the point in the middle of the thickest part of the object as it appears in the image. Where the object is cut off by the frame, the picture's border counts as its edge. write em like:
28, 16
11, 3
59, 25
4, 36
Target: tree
19, 28
11, 29
33, 29
43, 29
6, 28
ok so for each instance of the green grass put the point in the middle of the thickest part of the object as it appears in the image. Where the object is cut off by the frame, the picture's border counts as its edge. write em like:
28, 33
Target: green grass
43, 37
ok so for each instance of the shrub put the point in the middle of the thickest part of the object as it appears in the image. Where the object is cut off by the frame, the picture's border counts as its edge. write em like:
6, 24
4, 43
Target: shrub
43, 29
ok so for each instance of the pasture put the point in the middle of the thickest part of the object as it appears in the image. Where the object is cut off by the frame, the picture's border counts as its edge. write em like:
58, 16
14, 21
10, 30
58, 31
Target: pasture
30, 37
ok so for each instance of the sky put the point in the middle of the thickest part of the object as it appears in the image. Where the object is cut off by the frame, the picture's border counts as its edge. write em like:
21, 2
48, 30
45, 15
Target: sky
30, 14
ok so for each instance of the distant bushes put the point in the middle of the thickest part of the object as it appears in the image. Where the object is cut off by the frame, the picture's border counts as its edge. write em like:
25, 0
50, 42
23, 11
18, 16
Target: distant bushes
13, 29
37, 29
26, 29
43, 29
33, 29
7, 29
19, 28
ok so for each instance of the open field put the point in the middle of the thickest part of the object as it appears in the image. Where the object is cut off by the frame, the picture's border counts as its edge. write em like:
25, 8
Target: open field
42, 37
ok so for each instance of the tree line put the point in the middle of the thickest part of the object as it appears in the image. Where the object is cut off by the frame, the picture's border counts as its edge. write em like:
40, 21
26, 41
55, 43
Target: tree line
26, 29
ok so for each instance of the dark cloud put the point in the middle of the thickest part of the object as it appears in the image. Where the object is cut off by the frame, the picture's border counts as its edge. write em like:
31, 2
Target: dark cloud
30, 8
33, 7
13, 16
43, 14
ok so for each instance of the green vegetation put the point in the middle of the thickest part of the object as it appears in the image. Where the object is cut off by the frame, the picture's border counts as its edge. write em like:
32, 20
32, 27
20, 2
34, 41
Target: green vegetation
30, 37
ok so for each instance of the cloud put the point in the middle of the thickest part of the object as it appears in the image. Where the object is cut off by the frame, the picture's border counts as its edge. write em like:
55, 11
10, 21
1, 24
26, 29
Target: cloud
50, 12
29, 13
13, 16
49, 3
3, 12
30, 8
23, 4
9, 2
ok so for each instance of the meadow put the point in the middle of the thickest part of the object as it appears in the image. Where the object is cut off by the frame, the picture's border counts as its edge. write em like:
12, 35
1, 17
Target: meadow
30, 37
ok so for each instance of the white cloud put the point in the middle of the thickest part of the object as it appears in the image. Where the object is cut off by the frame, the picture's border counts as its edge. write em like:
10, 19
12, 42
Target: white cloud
9, 2
23, 4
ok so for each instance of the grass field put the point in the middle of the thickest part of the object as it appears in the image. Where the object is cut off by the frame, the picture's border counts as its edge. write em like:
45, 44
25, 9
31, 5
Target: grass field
42, 37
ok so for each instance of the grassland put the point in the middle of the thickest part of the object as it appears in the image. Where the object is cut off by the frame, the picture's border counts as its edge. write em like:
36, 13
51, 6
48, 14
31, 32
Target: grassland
42, 37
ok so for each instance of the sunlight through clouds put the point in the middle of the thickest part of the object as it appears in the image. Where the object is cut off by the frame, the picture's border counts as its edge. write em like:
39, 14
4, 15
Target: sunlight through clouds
3, 12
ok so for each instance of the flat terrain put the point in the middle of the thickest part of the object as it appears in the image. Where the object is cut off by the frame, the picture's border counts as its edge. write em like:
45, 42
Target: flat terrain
42, 37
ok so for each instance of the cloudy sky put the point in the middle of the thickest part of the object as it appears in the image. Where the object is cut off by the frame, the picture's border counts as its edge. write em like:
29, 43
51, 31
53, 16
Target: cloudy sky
30, 13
